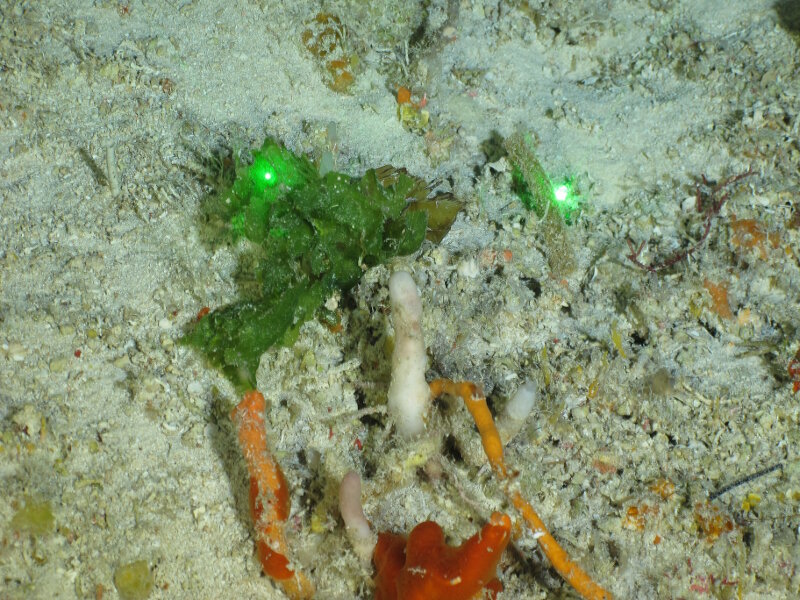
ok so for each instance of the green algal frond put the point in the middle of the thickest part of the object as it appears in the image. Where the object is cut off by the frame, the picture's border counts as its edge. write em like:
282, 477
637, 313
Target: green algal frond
317, 235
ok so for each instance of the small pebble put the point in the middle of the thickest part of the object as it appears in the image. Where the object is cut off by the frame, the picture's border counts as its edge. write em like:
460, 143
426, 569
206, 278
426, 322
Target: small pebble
16, 351
58, 365
468, 268
134, 581
35, 518
29, 421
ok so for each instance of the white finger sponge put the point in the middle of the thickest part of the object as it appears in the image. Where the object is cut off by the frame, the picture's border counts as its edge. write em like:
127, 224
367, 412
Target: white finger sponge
517, 409
409, 395
356, 525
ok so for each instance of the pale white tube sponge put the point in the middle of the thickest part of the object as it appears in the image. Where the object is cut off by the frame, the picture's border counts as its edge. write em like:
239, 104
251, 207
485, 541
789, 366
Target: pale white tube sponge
409, 395
356, 525
516, 411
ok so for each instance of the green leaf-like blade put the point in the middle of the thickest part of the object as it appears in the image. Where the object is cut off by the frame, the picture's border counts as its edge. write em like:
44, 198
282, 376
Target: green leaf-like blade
317, 234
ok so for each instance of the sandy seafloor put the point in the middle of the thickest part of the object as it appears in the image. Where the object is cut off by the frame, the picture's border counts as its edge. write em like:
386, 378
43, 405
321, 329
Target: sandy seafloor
109, 114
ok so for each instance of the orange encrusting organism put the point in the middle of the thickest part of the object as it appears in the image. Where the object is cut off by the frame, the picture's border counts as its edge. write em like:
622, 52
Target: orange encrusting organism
427, 568
711, 521
476, 404
794, 371
403, 95
269, 497
636, 516
748, 233
719, 298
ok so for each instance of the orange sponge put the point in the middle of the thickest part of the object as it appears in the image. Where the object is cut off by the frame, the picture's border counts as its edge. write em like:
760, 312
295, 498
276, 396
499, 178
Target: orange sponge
426, 568
269, 497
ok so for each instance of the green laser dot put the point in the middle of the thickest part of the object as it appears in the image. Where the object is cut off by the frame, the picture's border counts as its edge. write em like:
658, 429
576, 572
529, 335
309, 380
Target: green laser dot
561, 193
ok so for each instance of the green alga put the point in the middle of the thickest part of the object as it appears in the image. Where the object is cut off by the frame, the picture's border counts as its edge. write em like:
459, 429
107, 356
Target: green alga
318, 235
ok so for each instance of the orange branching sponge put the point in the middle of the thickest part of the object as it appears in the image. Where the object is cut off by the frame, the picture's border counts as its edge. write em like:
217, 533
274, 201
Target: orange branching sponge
476, 404
475, 401
426, 568
269, 497
558, 557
